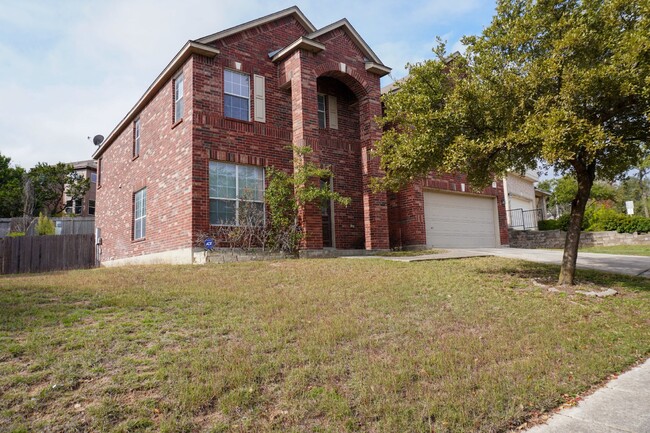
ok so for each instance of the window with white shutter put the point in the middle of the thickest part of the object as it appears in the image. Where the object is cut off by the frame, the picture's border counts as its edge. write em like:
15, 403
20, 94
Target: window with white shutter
260, 98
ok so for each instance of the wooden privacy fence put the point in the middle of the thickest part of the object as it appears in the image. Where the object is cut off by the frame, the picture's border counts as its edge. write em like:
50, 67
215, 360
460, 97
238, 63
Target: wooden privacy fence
46, 253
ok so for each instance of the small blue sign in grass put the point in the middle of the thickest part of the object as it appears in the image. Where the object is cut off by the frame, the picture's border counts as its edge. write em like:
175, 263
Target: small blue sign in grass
209, 244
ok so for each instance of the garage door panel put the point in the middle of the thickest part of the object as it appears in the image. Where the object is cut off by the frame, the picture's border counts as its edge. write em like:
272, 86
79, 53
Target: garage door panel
516, 203
455, 220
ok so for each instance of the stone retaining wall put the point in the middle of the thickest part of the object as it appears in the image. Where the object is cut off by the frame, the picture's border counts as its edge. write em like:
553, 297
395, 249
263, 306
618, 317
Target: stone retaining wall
555, 239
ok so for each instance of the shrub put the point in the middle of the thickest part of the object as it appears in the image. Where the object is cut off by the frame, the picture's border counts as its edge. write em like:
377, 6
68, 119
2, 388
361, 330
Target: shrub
548, 225
602, 219
44, 226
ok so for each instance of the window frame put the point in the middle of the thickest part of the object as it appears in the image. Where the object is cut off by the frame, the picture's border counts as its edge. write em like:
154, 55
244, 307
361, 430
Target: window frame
137, 129
140, 198
179, 89
237, 199
323, 111
234, 95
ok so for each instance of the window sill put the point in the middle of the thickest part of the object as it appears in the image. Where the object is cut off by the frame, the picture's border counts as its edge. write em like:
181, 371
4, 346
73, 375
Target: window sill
178, 122
232, 225
246, 122
134, 241
135, 157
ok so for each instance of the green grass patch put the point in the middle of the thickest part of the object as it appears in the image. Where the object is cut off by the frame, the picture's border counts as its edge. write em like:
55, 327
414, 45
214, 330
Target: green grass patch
332, 345
632, 250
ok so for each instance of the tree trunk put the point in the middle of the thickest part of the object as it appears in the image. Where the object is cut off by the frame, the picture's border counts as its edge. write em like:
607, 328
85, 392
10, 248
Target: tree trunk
585, 177
644, 193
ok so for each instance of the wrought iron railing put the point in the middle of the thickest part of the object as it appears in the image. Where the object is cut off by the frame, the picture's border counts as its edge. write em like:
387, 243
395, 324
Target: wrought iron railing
524, 219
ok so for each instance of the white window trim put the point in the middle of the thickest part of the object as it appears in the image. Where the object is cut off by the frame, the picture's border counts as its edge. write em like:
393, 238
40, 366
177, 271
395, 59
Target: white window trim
248, 98
143, 217
237, 200
178, 97
136, 137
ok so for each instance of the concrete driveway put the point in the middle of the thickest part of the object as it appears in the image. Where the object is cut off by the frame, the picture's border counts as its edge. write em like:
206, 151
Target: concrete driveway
619, 264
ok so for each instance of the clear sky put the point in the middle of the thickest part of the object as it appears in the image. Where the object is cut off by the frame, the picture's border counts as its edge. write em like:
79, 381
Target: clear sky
71, 69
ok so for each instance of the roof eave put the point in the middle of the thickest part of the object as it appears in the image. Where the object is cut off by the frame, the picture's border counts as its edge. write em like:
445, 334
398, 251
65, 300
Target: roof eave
293, 10
347, 27
377, 69
191, 47
301, 43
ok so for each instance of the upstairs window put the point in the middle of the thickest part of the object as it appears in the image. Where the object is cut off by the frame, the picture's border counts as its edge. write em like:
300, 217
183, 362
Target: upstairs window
136, 138
322, 115
93, 177
91, 207
140, 214
236, 194
178, 98
236, 97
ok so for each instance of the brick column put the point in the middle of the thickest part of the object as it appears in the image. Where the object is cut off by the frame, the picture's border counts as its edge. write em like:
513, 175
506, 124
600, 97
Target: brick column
375, 208
304, 113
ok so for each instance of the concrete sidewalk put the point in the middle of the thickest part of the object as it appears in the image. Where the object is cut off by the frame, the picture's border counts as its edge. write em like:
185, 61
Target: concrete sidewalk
621, 406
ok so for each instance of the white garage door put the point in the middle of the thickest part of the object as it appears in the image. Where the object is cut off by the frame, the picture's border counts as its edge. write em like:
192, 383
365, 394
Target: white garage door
520, 203
460, 220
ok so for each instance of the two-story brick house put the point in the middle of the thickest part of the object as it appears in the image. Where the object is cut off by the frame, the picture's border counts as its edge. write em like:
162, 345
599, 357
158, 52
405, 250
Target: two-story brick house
227, 107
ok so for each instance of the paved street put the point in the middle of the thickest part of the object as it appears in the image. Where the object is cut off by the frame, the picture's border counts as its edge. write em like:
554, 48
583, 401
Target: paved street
620, 264
615, 263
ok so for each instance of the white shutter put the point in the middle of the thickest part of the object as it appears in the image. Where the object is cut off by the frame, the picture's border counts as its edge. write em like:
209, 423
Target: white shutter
260, 98
334, 114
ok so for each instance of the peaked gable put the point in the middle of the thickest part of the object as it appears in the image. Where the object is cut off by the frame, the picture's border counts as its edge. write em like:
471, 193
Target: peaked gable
345, 25
293, 11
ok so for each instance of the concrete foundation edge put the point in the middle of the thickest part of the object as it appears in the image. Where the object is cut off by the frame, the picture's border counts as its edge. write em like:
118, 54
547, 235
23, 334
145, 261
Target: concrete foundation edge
183, 256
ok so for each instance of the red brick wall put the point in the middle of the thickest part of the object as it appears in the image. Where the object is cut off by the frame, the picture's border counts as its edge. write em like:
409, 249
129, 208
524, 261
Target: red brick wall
163, 167
174, 161
291, 117
406, 208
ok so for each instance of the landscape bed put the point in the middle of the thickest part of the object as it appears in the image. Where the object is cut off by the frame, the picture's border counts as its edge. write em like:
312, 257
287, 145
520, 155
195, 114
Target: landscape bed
309, 345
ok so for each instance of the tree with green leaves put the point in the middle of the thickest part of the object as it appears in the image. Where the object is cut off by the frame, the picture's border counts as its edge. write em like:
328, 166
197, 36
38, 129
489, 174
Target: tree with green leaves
51, 182
563, 84
287, 194
11, 188
564, 189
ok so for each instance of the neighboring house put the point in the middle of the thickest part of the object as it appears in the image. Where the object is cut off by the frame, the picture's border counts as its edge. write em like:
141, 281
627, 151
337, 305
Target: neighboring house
228, 106
541, 203
523, 200
86, 205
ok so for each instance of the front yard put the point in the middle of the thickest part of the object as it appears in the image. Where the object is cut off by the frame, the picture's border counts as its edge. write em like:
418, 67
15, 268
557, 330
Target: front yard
308, 345
633, 250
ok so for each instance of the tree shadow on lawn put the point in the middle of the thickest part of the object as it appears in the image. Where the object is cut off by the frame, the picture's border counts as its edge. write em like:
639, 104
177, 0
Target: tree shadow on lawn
547, 275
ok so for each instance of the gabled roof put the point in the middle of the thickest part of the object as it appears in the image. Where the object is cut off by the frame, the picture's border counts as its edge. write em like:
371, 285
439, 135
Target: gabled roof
292, 11
345, 25
308, 42
302, 43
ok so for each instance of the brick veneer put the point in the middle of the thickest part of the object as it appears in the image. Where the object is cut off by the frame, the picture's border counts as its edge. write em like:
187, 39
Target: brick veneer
174, 158
406, 208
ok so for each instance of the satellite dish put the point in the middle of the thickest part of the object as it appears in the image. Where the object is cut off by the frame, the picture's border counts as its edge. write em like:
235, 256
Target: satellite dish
98, 139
